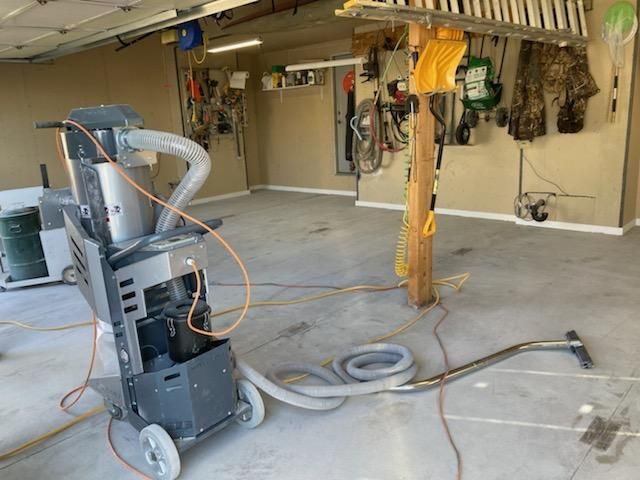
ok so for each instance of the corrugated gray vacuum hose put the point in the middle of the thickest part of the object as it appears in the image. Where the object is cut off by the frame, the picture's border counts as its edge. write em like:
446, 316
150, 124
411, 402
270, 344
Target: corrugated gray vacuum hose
200, 166
348, 377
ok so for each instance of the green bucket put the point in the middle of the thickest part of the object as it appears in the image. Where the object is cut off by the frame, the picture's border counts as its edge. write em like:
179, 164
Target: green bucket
20, 235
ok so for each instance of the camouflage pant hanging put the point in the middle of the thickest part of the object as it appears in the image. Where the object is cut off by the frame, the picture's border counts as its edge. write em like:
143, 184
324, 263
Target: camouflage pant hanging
527, 106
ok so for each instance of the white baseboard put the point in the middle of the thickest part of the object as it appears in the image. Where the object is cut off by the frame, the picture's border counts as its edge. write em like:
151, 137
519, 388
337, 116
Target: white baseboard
200, 201
575, 227
319, 191
503, 217
630, 225
386, 206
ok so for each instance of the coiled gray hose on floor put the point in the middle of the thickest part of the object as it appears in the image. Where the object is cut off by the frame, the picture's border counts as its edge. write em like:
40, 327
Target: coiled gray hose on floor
348, 377
200, 166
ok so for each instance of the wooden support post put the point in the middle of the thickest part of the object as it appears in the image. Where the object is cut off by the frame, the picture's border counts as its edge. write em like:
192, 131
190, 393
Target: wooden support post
420, 188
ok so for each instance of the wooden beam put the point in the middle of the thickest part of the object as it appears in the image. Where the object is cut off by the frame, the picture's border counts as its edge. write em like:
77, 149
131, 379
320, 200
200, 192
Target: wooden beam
420, 187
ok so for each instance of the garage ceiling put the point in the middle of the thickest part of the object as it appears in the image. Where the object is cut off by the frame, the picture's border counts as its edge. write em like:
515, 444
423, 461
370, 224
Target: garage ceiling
38, 30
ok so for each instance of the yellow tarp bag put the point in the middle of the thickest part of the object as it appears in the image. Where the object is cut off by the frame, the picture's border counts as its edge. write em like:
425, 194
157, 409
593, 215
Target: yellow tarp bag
435, 71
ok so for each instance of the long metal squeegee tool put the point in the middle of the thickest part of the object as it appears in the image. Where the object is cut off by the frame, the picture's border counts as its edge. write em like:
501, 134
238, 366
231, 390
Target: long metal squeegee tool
571, 343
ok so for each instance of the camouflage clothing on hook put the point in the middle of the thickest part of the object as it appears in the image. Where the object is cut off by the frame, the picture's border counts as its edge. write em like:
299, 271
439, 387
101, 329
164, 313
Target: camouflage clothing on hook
565, 72
527, 107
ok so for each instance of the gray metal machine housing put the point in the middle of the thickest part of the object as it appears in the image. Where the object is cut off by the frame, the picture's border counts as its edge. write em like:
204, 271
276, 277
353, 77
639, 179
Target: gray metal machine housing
189, 400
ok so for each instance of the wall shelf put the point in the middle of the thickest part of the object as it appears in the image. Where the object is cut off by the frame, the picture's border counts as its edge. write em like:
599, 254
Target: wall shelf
373, 10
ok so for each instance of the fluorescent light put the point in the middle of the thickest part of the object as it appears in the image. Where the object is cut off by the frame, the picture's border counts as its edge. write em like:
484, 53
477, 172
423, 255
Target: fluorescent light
236, 45
327, 64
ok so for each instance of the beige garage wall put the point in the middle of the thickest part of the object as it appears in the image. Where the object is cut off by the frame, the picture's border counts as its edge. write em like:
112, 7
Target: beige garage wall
483, 177
137, 75
632, 180
295, 137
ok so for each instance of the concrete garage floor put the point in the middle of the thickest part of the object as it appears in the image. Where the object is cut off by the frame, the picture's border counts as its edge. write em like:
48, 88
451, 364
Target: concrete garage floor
523, 418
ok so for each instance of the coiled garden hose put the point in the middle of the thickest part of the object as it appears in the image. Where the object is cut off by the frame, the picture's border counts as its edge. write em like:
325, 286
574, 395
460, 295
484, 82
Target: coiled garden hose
366, 154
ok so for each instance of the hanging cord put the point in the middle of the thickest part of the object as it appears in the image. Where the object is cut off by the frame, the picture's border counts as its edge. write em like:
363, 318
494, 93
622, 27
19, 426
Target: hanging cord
192, 219
401, 267
200, 61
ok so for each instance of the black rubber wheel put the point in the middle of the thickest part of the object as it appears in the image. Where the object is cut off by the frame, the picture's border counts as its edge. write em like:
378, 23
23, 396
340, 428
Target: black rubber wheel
69, 275
502, 117
472, 118
463, 133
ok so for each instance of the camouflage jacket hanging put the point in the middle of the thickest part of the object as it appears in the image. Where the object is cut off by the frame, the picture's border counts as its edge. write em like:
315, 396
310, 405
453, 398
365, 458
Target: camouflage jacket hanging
527, 106
565, 73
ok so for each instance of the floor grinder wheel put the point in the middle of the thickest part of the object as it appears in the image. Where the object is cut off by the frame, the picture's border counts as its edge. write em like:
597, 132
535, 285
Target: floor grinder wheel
248, 393
160, 452
69, 275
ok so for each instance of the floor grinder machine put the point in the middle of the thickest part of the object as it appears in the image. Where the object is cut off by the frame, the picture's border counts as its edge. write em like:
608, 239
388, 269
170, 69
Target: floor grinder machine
134, 267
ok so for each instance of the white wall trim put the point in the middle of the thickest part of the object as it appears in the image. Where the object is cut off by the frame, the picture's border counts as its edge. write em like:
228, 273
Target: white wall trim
200, 201
386, 206
319, 191
574, 227
637, 222
630, 225
503, 217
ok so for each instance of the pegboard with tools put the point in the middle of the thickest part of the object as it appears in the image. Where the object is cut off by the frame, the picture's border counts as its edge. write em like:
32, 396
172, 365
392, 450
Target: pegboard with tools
214, 104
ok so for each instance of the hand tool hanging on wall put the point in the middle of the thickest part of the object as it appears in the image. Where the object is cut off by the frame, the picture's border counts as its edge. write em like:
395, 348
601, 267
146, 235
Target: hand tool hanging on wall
348, 85
430, 225
619, 26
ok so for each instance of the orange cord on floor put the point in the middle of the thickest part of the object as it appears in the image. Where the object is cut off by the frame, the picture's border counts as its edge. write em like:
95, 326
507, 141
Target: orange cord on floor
62, 405
121, 460
192, 219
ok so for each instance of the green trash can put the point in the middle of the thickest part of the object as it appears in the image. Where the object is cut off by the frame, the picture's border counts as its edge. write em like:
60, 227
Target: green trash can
20, 234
